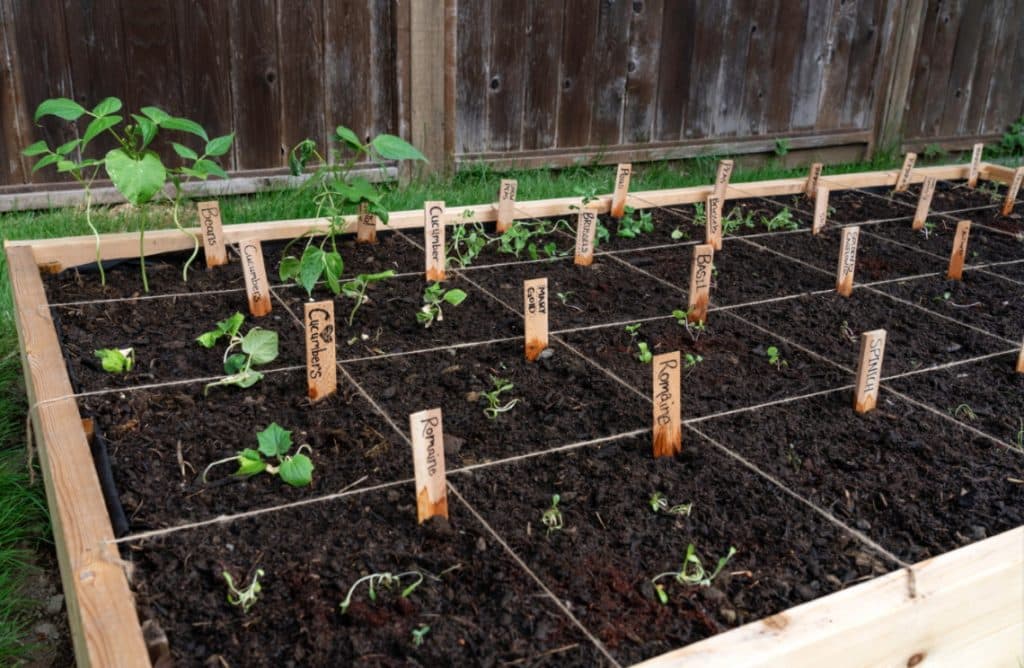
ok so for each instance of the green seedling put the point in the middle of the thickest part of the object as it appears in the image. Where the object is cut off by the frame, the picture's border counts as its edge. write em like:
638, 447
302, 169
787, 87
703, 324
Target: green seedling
660, 504
691, 573
928, 228
679, 233
466, 243
700, 218
419, 634
783, 220
564, 297
552, 517
494, 405
775, 357
1020, 435
433, 296
356, 289
635, 223
964, 411
793, 458
116, 360
377, 581
690, 360
259, 346
694, 329
244, 598
274, 444
643, 353
737, 219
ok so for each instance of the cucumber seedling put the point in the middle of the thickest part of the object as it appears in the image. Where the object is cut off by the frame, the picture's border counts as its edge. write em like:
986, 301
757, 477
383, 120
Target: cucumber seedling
274, 444
433, 296
116, 360
377, 581
356, 289
692, 572
552, 517
244, 598
258, 346
494, 405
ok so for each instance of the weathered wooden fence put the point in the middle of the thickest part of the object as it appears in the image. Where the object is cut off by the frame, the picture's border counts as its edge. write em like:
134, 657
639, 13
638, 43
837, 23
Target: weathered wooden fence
523, 82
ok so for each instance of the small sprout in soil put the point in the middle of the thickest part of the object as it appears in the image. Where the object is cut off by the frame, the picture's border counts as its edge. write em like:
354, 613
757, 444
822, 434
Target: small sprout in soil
419, 634
466, 243
494, 405
635, 223
1020, 435
564, 296
383, 581
552, 517
775, 357
274, 442
964, 411
783, 220
356, 289
737, 219
694, 329
116, 360
643, 353
691, 360
679, 233
928, 228
660, 504
847, 332
692, 572
433, 296
244, 598
259, 346
794, 459
699, 217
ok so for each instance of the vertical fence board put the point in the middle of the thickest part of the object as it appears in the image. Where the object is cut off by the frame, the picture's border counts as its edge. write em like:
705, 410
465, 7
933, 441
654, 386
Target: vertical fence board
383, 72
864, 62
506, 75
786, 35
732, 77
679, 38
473, 56
610, 63
756, 77
301, 34
256, 86
13, 124
576, 91
347, 58
540, 103
837, 59
814, 53
709, 26
642, 71
961, 71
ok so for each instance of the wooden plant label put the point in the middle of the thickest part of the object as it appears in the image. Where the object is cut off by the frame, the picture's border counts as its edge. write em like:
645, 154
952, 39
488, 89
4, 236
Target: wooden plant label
924, 203
433, 239
668, 427
903, 180
722, 177
713, 218
700, 282
811, 187
256, 286
1020, 359
213, 233
507, 203
847, 261
321, 350
959, 254
972, 176
1011, 194
869, 370
586, 230
535, 308
428, 464
621, 189
820, 209
366, 226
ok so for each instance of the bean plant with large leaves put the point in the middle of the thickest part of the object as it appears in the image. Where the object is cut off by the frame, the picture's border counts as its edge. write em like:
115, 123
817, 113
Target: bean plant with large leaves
336, 191
135, 169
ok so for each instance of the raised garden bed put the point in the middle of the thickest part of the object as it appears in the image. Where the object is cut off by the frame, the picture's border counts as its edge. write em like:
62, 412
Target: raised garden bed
859, 538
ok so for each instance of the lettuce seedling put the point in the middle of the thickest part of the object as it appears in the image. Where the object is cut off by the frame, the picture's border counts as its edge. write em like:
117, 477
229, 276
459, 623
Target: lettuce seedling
384, 581
259, 346
116, 360
692, 572
494, 406
433, 296
356, 289
552, 517
274, 444
643, 353
244, 598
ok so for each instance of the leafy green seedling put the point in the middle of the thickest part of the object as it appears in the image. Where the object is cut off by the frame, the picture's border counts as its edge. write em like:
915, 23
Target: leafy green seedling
244, 598
259, 346
783, 220
466, 243
679, 233
356, 289
737, 219
433, 296
564, 297
692, 572
494, 405
643, 352
775, 357
694, 329
274, 443
383, 581
116, 360
635, 223
928, 228
660, 504
690, 360
419, 634
552, 517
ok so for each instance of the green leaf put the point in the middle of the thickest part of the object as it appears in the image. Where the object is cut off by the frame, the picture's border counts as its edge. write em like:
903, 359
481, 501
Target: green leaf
311, 267
250, 463
113, 360
234, 363
379, 211
184, 125
249, 379
275, 440
35, 149
46, 161
261, 345
67, 147
66, 166
231, 325
356, 190
455, 296
347, 136
289, 268
184, 151
107, 106
155, 114
138, 180
98, 126
147, 127
396, 148
297, 471
61, 107
333, 266
210, 167
219, 145
208, 339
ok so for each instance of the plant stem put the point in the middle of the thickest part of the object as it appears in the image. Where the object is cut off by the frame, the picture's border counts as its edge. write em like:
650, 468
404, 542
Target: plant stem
359, 302
96, 234
195, 239
142, 254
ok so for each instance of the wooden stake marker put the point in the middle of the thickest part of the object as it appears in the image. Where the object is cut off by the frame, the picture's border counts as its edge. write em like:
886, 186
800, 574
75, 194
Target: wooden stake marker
428, 464
820, 209
713, 221
507, 203
924, 202
972, 176
213, 233
1020, 360
621, 189
869, 371
321, 350
366, 227
847, 261
903, 180
1011, 194
586, 230
811, 189
256, 285
722, 177
433, 239
700, 282
959, 254
668, 426
535, 308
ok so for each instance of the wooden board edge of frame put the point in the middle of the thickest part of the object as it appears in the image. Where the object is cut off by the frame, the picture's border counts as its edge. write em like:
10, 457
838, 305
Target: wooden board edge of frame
58, 253
904, 629
101, 613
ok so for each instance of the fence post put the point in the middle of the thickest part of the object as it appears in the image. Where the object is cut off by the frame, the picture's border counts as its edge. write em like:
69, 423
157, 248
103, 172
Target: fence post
431, 80
897, 71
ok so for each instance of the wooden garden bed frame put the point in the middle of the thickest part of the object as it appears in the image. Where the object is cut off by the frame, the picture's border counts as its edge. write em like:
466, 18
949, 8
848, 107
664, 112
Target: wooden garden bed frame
965, 607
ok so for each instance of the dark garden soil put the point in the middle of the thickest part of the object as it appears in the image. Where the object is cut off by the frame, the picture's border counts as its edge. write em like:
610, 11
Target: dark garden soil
956, 195
852, 206
983, 246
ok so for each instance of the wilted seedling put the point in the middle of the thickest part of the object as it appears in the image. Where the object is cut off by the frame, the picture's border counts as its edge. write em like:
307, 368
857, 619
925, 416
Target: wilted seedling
117, 360
419, 634
964, 411
433, 296
259, 346
244, 598
660, 504
274, 441
552, 517
383, 581
775, 357
494, 405
692, 572
356, 289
